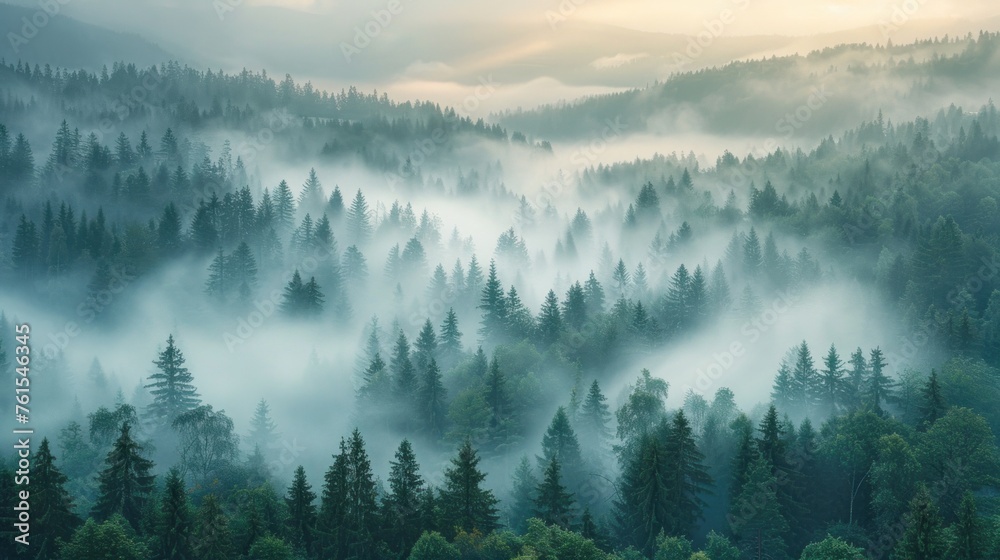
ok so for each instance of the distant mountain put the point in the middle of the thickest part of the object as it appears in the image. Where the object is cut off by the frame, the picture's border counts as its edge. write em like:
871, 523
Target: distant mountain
802, 96
33, 36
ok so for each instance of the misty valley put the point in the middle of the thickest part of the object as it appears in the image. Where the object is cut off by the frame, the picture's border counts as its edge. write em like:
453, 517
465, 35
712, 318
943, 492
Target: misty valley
744, 312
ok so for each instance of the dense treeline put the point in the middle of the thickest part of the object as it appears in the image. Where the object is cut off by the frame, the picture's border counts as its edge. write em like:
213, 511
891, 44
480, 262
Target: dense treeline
499, 358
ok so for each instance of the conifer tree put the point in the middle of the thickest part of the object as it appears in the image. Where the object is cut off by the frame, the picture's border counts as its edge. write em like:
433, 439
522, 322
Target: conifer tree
263, 431
401, 505
550, 322
522, 495
595, 415
213, 540
879, 388
688, 477
932, 406
924, 537
432, 400
51, 504
465, 504
553, 504
171, 386
300, 501
125, 483
832, 382
175, 527
451, 338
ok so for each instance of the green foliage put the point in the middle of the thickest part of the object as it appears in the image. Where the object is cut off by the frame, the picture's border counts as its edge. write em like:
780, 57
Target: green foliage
110, 540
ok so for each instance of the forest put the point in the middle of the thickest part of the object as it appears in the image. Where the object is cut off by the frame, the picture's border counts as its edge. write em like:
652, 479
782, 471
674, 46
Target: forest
274, 322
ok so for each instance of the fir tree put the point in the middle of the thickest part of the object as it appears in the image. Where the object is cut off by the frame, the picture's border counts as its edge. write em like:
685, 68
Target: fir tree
175, 527
212, 536
932, 406
522, 495
171, 386
432, 399
125, 483
51, 504
465, 504
300, 501
595, 415
401, 505
553, 504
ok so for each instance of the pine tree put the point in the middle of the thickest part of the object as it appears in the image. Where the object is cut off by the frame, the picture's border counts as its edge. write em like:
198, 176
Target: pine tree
284, 207
348, 513
804, 382
51, 504
465, 505
879, 387
404, 376
171, 386
175, 527
522, 495
594, 295
855, 383
401, 505
125, 483
493, 304
497, 398
359, 227
643, 508
550, 322
425, 347
553, 504
451, 338
621, 278
301, 511
560, 443
687, 476
752, 256
219, 284
755, 516
595, 415
212, 536
263, 431
831, 382
432, 400
25, 251
932, 406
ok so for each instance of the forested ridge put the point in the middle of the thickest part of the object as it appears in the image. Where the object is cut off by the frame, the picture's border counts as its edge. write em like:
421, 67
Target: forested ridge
514, 390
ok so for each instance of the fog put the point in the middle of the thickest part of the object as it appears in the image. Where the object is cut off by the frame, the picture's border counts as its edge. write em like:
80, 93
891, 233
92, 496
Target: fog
701, 225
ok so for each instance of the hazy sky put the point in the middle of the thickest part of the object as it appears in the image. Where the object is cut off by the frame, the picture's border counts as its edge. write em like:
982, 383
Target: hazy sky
536, 51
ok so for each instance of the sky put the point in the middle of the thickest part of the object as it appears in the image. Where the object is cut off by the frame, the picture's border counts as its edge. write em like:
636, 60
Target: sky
539, 51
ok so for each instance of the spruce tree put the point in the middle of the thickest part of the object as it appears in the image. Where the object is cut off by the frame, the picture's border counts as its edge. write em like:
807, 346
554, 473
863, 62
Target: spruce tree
401, 505
755, 516
493, 304
451, 338
553, 504
425, 347
970, 540
643, 508
465, 504
560, 443
522, 495
879, 386
51, 504
213, 540
175, 527
831, 382
550, 322
432, 401
171, 386
932, 406
125, 483
300, 501
688, 478
595, 415
263, 431
359, 227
